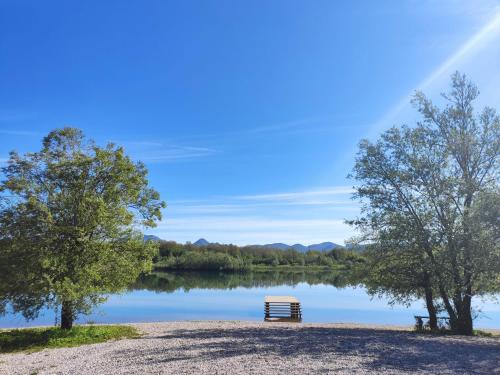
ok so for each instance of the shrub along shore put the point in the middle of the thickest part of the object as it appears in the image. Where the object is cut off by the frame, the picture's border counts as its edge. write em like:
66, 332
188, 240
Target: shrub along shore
220, 257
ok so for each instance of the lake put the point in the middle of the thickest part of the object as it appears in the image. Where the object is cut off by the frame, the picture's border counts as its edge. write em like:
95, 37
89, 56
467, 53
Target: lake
325, 297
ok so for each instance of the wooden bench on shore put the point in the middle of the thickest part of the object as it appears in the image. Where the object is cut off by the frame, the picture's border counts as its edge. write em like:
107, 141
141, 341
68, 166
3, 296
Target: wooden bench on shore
282, 309
419, 321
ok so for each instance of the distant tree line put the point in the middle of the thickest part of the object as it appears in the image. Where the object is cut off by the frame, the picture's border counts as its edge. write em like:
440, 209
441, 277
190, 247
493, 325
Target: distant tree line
220, 257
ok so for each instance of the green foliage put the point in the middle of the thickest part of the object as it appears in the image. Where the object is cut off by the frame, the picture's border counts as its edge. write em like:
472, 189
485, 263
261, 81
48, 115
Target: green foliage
395, 273
68, 230
218, 257
442, 331
35, 339
431, 198
187, 280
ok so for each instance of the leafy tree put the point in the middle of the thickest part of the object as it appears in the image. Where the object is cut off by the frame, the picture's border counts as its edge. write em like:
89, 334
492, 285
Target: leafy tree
401, 272
69, 231
424, 187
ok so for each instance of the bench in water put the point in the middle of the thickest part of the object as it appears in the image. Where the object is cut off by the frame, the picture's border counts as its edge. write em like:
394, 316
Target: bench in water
282, 309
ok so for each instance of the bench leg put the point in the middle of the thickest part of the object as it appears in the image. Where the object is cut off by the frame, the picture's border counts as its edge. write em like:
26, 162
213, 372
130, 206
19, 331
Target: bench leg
295, 311
419, 324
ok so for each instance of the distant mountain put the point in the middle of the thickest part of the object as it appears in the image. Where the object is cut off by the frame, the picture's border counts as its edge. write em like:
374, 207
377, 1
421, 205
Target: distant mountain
299, 247
150, 237
278, 245
201, 242
324, 246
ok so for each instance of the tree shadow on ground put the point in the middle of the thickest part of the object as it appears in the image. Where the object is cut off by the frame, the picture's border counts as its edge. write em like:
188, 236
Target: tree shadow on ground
401, 352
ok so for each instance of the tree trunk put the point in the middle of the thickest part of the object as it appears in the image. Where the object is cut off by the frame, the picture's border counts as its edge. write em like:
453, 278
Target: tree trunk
463, 325
67, 315
429, 302
441, 284
447, 304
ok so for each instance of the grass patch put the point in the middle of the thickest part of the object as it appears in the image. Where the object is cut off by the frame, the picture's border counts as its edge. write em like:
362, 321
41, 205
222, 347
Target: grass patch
480, 333
34, 339
443, 332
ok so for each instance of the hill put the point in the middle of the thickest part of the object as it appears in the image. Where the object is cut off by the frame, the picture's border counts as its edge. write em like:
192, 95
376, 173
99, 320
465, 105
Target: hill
150, 237
201, 242
323, 246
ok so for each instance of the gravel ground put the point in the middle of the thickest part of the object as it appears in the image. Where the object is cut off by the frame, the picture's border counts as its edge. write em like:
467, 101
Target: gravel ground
266, 348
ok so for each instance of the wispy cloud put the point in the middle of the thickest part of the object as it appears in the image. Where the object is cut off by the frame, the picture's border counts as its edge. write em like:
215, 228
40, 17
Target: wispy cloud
333, 195
308, 216
175, 153
254, 230
246, 223
14, 115
201, 209
300, 125
159, 152
300, 196
139, 143
22, 133
245, 207
309, 124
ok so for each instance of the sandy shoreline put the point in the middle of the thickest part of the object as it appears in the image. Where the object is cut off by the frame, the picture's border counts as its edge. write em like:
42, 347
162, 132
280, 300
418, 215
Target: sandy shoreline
233, 347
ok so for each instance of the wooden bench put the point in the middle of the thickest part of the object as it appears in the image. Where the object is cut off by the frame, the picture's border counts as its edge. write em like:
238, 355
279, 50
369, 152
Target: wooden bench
282, 309
419, 321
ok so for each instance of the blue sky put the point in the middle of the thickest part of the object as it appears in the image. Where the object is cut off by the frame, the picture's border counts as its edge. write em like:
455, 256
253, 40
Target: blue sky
247, 113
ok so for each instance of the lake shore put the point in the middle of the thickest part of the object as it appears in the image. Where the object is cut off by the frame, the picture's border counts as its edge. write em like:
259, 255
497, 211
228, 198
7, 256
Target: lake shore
238, 347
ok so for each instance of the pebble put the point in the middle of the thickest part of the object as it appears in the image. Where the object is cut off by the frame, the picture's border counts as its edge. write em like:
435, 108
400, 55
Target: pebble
227, 347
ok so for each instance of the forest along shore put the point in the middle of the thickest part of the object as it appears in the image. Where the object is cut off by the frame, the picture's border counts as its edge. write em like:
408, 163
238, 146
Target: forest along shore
173, 256
264, 348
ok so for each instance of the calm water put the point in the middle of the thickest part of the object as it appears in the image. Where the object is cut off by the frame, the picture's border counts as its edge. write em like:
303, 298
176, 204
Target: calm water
325, 297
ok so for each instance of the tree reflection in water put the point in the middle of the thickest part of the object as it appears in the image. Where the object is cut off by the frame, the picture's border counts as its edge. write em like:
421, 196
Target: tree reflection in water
184, 280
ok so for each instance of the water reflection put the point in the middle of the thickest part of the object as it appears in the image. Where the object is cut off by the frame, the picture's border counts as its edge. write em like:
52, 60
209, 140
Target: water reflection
326, 296
171, 281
